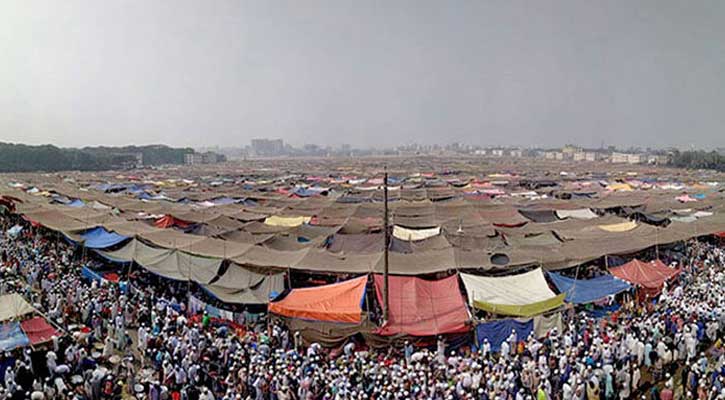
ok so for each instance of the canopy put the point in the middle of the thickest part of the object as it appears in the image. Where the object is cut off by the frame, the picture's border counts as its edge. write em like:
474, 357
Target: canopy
12, 337
423, 308
169, 263
12, 306
99, 238
582, 291
582, 213
498, 331
168, 221
620, 227
241, 286
339, 302
525, 294
540, 215
38, 330
650, 276
289, 222
414, 234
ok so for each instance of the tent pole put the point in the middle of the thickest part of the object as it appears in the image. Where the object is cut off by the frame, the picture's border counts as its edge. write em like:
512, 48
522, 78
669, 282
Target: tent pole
386, 289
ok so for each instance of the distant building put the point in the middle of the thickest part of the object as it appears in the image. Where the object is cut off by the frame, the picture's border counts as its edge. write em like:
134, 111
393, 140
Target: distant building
268, 147
592, 156
516, 153
619, 158
635, 158
193, 159
497, 152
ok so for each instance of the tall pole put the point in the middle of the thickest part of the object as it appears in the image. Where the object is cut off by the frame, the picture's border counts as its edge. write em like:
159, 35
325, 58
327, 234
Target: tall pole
386, 289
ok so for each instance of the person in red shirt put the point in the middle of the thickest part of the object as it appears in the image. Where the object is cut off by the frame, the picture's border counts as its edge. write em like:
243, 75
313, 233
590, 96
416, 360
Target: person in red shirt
667, 393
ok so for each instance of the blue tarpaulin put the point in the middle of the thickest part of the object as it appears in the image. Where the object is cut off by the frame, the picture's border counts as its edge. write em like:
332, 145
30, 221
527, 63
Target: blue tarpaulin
582, 291
94, 276
99, 238
76, 203
12, 337
498, 331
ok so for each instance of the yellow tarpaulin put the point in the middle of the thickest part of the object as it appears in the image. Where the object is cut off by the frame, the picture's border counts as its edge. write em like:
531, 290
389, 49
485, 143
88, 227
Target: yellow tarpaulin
621, 227
526, 310
290, 222
621, 187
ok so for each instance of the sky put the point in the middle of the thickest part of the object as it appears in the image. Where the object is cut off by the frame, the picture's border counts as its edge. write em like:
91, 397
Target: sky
366, 73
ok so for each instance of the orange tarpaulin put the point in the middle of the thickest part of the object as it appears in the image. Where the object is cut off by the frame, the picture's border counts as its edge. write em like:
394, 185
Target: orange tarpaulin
650, 276
339, 302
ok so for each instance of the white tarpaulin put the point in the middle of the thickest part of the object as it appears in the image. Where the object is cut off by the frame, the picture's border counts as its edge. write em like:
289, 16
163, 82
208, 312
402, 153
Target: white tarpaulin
13, 305
522, 289
582, 213
415, 234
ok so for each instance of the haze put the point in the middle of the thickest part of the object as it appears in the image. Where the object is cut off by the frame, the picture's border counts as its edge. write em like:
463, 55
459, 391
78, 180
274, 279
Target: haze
203, 73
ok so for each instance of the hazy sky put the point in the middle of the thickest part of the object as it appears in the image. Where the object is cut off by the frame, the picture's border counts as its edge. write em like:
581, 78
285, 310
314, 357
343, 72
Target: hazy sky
218, 72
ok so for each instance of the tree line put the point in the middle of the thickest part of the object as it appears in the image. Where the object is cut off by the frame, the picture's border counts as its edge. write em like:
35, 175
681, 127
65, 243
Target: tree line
698, 159
49, 158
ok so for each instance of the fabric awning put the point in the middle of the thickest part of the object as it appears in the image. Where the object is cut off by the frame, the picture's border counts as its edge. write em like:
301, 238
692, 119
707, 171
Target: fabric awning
13, 305
582, 213
402, 233
423, 308
650, 276
338, 302
99, 238
582, 291
12, 337
38, 330
524, 294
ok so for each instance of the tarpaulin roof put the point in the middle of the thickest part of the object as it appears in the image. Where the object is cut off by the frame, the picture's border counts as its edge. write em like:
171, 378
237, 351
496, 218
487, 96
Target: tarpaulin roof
540, 215
99, 238
168, 221
13, 305
38, 330
498, 331
241, 286
169, 263
649, 275
525, 294
338, 302
12, 337
423, 308
582, 291
582, 213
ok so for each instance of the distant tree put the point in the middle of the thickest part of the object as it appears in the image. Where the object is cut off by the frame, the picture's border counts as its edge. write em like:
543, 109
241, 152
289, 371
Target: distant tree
698, 160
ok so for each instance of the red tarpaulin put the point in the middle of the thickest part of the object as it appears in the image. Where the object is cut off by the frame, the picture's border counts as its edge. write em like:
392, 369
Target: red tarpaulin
423, 308
339, 302
650, 276
168, 221
38, 330
721, 235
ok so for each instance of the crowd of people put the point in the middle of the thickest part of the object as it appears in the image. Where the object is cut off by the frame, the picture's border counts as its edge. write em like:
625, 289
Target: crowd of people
143, 343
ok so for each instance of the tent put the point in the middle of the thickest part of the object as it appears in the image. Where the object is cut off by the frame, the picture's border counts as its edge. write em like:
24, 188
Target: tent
523, 295
289, 222
12, 337
12, 306
338, 302
650, 276
402, 233
168, 221
100, 238
239, 285
540, 215
496, 332
583, 291
423, 308
38, 330
583, 213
